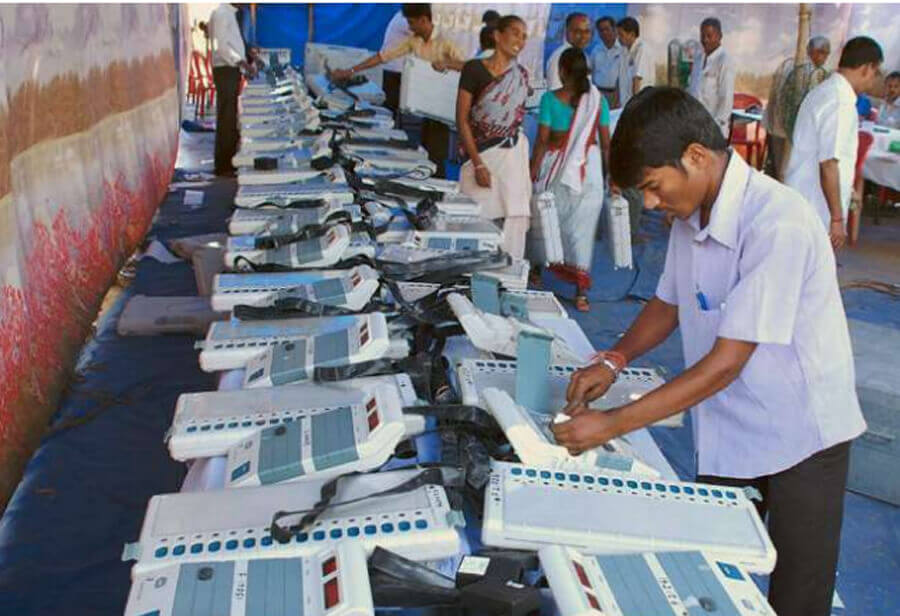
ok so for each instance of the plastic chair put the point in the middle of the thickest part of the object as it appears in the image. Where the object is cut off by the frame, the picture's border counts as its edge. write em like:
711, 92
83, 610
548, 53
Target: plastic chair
866, 140
749, 135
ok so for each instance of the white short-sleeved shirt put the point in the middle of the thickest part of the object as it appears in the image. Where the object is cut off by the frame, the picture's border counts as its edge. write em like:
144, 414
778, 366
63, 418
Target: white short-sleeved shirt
638, 63
605, 62
552, 72
396, 32
767, 275
712, 83
225, 36
827, 127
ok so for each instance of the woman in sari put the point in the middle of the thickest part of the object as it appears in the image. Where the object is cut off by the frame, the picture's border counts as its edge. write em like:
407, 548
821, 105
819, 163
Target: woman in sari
567, 161
490, 107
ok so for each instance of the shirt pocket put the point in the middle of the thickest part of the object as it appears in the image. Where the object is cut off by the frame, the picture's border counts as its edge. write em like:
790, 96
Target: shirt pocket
699, 330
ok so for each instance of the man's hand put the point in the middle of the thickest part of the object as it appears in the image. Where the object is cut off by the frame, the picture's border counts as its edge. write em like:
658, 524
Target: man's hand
482, 176
341, 74
585, 431
590, 383
837, 234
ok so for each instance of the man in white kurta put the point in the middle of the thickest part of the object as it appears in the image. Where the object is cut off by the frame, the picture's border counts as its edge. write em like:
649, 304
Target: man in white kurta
822, 162
578, 34
712, 78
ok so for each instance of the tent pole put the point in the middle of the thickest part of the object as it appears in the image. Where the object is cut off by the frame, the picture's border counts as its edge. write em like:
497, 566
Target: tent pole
253, 22
805, 12
311, 30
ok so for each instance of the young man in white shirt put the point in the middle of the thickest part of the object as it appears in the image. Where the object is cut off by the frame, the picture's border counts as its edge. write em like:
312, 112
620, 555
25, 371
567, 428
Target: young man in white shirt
229, 57
605, 60
578, 34
712, 79
637, 71
822, 162
750, 279
396, 32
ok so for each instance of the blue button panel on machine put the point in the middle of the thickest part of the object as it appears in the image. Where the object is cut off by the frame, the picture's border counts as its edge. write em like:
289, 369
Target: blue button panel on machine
330, 291
280, 453
333, 440
332, 348
288, 362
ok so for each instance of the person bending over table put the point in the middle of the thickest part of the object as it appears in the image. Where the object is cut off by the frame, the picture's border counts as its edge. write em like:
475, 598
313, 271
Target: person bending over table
567, 161
490, 107
429, 44
750, 279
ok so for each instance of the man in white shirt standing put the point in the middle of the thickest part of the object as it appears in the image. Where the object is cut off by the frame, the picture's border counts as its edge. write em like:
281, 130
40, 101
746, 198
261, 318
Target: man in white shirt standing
751, 281
228, 58
637, 71
712, 79
822, 162
578, 34
605, 60
396, 32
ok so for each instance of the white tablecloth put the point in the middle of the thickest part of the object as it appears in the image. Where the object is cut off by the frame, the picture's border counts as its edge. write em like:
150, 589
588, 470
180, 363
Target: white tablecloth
882, 166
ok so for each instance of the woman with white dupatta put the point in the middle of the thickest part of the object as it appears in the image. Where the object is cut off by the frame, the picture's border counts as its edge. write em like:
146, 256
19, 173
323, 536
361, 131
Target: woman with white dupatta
490, 107
569, 157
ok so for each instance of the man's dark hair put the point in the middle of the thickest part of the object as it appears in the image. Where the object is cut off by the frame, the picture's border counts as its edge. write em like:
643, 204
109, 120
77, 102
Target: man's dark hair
490, 17
630, 25
416, 10
860, 51
573, 16
713, 23
486, 38
606, 18
507, 20
655, 129
892, 75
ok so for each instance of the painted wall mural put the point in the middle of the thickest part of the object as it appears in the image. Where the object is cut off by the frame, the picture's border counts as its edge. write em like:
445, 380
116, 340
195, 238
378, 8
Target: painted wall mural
88, 140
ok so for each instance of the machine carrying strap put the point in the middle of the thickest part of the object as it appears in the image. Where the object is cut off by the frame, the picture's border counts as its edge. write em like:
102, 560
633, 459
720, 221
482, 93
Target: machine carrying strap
298, 204
430, 474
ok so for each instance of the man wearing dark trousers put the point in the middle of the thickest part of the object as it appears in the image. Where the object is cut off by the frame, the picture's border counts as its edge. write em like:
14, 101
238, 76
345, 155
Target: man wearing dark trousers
228, 58
750, 280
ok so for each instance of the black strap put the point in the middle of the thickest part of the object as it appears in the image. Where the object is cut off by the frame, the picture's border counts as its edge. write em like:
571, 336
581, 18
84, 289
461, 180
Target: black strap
431, 474
299, 204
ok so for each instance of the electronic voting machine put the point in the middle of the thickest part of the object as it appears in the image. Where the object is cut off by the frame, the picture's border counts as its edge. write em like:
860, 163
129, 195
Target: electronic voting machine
476, 375
262, 288
426, 92
332, 581
316, 252
278, 221
529, 507
332, 184
352, 291
230, 525
657, 583
210, 423
295, 360
354, 437
498, 334
530, 435
232, 344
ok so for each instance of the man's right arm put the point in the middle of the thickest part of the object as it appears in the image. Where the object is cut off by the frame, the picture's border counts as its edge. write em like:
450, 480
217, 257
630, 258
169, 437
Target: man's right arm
830, 179
653, 325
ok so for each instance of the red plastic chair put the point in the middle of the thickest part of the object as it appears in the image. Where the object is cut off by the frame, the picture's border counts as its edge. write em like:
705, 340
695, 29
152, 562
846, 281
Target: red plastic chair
749, 136
202, 91
866, 140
